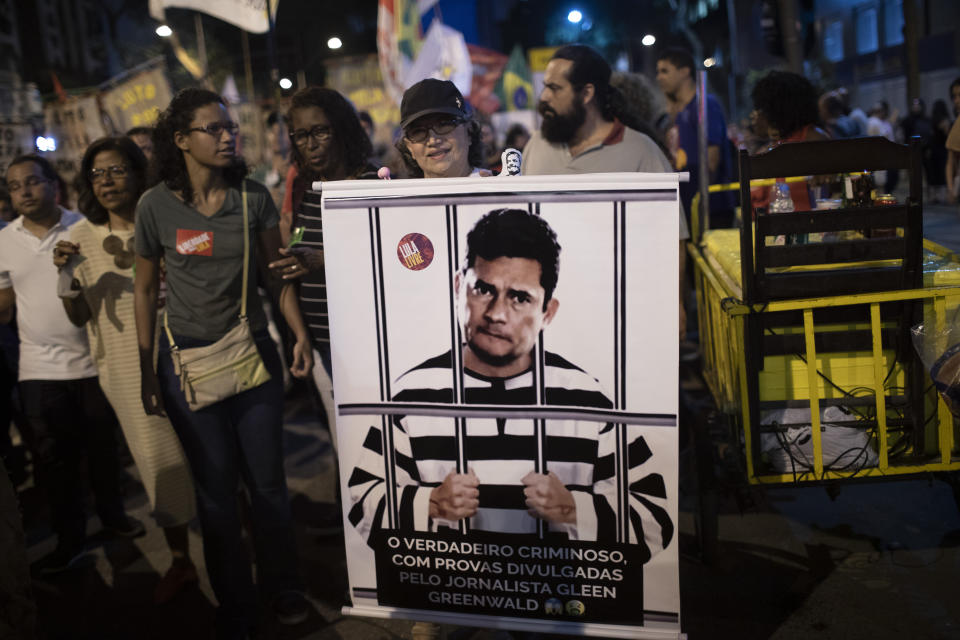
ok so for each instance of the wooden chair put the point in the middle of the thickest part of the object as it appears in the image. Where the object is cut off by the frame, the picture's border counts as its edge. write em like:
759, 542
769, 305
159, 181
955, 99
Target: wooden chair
761, 283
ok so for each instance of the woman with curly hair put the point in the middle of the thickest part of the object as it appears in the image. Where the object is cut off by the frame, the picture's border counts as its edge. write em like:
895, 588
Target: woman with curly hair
112, 177
193, 219
328, 143
785, 109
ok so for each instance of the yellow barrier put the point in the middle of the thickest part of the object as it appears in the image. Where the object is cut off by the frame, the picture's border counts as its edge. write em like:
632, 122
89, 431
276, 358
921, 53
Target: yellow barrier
721, 315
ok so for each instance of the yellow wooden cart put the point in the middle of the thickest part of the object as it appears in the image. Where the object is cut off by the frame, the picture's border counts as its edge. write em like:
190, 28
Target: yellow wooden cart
826, 324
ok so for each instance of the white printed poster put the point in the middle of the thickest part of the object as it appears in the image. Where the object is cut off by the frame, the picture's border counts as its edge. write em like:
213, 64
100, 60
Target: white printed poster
505, 375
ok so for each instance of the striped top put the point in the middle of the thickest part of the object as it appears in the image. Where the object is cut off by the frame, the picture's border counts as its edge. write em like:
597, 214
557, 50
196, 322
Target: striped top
313, 286
501, 451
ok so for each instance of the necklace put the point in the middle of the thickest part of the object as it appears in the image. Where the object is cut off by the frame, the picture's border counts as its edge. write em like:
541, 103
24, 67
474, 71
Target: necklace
114, 246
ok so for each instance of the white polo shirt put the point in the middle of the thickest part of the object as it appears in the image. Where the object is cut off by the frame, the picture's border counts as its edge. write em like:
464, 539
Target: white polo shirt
51, 347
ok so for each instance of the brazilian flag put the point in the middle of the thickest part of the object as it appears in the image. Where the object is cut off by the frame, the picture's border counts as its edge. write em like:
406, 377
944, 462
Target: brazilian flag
516, 88
407, 16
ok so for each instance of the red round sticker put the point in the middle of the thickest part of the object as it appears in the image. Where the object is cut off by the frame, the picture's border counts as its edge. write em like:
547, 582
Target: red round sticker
415, 251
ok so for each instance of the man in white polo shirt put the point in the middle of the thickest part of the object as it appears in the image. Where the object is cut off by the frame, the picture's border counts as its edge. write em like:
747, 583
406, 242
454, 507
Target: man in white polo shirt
66, 411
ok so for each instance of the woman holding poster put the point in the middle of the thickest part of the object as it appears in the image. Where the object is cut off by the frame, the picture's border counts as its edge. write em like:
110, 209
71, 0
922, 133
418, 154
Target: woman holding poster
440, 139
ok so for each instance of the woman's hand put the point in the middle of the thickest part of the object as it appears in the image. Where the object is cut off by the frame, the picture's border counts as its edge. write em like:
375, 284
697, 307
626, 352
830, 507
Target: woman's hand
63, 251
302, 365
150, 394
297, 262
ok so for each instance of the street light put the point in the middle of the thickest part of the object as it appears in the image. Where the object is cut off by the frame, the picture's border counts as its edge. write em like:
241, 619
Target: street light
574, 16
285, 83
164, 31
334, 43
648, 40
709, 62
46, 143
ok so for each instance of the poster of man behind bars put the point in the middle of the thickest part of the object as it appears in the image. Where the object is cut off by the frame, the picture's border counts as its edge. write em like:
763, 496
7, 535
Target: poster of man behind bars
505, 375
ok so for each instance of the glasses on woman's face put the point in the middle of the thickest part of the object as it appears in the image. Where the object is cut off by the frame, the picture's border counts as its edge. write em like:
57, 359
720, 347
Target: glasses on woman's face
319, 133
420, 133
114, 171
216, 129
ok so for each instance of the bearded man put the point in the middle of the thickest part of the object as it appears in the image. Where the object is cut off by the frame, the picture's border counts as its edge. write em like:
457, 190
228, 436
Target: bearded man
580, 132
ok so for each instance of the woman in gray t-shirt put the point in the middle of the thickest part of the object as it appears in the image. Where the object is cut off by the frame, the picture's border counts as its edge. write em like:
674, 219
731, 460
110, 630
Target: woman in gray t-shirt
193, 219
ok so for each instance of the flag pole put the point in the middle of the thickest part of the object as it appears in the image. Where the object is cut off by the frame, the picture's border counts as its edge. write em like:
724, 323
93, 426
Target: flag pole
272, 51
247, 67
202, 48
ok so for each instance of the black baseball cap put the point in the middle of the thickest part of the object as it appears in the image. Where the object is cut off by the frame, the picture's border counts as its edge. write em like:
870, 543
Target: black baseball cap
431, 96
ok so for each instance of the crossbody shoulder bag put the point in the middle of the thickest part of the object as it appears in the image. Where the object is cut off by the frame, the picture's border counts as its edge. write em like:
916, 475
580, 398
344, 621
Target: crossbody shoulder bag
230, 365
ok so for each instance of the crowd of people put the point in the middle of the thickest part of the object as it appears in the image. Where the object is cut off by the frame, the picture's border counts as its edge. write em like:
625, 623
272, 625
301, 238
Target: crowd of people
173, 244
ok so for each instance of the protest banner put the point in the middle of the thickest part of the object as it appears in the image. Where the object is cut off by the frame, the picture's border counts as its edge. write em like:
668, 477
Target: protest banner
506, 427
249, 15
73, 124
136, 99
359, 79
16, 138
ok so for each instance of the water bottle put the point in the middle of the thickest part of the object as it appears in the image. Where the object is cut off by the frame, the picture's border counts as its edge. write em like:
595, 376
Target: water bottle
783, 203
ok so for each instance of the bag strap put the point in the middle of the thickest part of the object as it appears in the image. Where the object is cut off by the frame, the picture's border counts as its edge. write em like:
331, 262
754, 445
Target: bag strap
246, 269
246, 253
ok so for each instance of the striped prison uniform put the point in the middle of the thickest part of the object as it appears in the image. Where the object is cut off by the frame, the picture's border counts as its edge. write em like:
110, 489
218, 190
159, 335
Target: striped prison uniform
501, 451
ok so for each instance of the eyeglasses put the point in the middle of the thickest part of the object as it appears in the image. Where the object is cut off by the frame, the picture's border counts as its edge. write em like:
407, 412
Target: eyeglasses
114, 171
32, 181
420, 133
319, 133
217, 128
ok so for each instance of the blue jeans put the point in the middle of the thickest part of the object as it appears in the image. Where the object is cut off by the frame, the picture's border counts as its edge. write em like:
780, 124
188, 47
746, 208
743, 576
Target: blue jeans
239, 437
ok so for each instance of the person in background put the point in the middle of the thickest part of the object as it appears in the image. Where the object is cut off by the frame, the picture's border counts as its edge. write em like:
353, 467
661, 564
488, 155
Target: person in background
517, 137
878, 124
380, 149
193, 219
113, 175
581, 132
916, 123
13, 456
7, 213
367, 123
65, 409
856, 114
953, 146
675, 75
785, 109
491, 150
440, 137
143, 137
641, 106
955, 97
935, 160
272, 171
835, 119
329, 142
